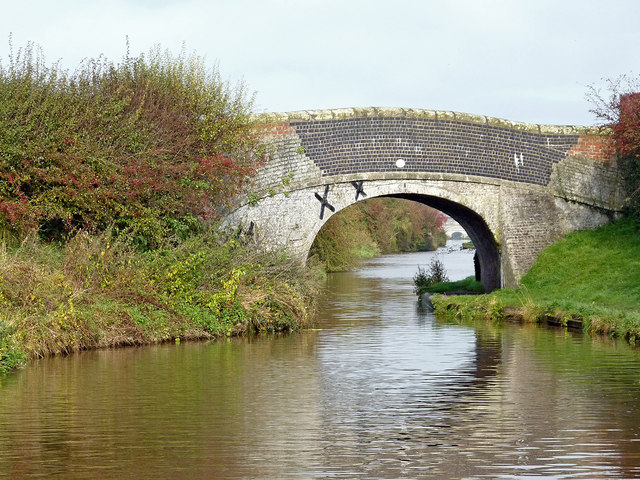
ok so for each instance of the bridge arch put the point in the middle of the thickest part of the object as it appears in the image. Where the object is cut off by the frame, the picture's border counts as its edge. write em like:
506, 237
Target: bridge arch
514, 187
433, 196
477, 230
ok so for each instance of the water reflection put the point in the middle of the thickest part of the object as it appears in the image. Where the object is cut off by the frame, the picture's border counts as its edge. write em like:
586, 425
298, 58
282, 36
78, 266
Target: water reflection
382, 391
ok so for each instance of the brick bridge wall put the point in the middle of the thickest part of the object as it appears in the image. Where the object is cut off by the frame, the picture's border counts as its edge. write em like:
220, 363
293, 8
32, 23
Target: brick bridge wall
514, 187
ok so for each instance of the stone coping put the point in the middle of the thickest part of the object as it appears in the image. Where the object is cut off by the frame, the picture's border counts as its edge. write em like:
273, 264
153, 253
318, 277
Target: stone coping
390, 112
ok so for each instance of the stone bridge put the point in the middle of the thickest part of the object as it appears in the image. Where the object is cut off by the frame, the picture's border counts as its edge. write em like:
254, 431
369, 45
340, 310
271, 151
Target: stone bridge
514, 187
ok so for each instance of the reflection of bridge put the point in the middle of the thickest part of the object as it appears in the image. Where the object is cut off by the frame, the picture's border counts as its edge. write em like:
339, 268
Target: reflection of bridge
515, 188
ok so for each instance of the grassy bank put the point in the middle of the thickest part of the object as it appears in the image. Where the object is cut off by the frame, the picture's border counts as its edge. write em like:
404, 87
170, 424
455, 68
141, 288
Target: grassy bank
469, 284
593, 276
94, 293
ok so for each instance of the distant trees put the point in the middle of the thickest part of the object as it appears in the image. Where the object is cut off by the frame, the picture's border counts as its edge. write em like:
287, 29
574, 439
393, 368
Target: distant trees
619, 111
375, 226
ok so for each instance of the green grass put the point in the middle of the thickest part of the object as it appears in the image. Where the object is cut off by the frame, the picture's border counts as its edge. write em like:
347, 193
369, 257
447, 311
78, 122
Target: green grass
591, 267
469, 284
593, 275
595, 270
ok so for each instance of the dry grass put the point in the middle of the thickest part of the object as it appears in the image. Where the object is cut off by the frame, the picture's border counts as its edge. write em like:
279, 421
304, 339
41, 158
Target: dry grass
95, 293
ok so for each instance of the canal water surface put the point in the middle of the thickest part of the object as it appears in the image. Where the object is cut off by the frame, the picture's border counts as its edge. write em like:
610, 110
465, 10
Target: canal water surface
380, 390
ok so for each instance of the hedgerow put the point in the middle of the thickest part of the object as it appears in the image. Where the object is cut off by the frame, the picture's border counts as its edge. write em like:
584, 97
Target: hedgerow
151, 147
112, 178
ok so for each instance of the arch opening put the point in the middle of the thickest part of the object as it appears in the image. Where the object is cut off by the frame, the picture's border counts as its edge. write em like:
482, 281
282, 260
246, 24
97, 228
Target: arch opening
375, 226
480, 234
488, 266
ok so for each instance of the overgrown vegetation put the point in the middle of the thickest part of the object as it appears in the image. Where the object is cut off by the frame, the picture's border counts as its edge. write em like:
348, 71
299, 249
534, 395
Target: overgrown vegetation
591, 275
435, 273
111, 178
619, 111
151, 147
377, 226
97, 292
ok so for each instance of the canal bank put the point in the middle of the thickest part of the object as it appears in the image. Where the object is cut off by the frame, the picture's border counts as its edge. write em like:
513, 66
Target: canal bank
95, 292
590, 281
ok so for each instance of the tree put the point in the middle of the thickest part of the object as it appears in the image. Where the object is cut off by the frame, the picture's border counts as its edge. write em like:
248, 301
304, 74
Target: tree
619, 111
374, 226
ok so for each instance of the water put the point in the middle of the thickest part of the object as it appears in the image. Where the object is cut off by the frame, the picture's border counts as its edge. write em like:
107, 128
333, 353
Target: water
381, 391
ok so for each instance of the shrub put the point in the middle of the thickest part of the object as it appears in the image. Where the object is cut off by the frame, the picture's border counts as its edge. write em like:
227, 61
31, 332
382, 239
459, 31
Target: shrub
619, 111
154, 145
433, 274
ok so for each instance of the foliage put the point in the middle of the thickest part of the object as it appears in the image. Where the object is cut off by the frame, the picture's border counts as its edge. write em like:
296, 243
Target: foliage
619, 111
153, 145
398, 225
127, 164
374, 226
342, 241
435, 273
11, 355
97, 292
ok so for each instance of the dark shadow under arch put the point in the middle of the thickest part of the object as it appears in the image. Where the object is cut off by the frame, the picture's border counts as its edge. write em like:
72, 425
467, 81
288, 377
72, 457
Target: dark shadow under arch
478, 231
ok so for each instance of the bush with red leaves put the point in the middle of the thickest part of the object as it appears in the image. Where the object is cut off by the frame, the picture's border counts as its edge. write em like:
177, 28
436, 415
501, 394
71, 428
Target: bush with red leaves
151, 147
619, 112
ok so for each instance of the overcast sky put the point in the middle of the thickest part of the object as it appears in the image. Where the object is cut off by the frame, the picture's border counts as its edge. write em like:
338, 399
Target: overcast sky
528, 60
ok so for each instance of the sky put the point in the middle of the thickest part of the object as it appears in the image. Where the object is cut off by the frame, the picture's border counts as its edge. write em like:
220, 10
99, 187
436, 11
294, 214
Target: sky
521, 60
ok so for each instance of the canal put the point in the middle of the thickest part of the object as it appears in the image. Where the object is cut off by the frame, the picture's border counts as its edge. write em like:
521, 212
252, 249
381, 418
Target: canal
379, 390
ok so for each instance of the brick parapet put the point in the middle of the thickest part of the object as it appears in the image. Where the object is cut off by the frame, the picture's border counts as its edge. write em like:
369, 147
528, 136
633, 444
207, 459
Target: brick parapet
593, 147
359, 141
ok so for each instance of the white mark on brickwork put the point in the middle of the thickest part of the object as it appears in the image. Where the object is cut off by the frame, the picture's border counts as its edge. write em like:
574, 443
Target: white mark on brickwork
518, 161
557, 148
